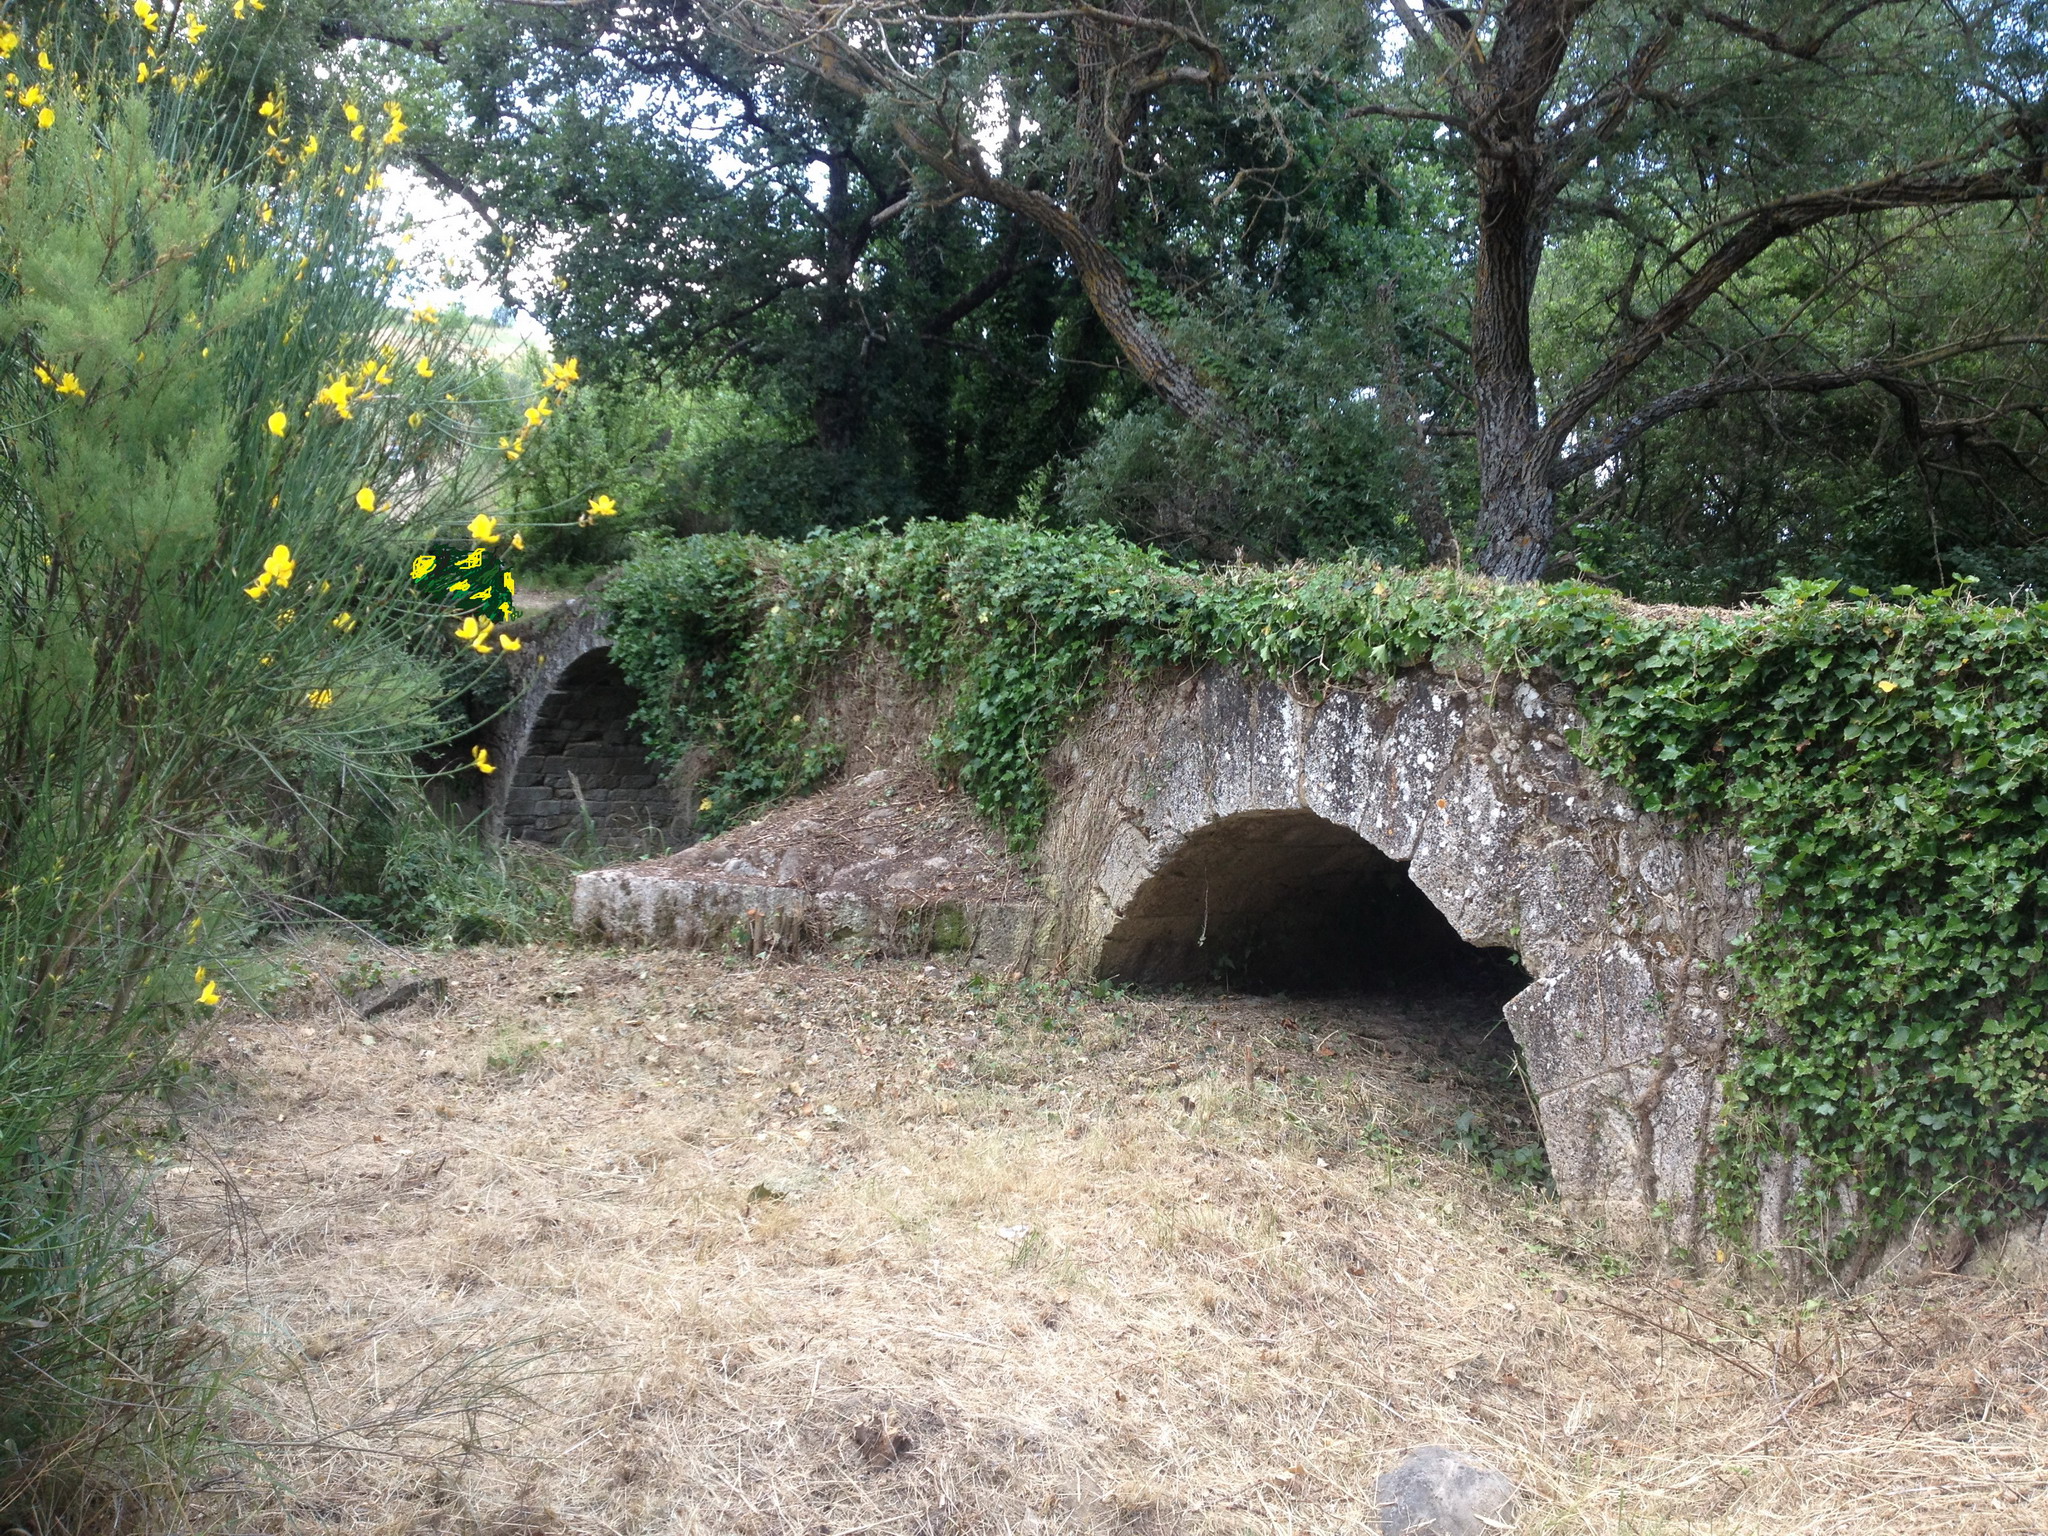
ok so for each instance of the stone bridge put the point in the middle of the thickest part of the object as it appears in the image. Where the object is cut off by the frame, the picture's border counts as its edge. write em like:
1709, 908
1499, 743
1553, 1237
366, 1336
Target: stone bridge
1206, 816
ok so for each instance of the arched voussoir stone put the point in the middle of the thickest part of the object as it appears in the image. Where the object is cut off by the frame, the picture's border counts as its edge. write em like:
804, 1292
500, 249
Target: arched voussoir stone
1622, 922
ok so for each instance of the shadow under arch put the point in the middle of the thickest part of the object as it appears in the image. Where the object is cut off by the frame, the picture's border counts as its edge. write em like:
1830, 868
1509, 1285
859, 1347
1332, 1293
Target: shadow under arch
1285, 900
581, 764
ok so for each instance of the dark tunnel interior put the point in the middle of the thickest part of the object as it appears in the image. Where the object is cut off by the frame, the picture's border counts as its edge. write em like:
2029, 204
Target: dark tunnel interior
1285, 901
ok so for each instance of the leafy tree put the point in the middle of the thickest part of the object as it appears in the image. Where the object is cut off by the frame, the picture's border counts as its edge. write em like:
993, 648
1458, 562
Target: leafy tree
1749, 193
738, 224
1713, 146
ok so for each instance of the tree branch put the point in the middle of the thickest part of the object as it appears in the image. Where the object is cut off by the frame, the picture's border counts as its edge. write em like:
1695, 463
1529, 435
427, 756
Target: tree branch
1758, 231
1883, 372
1407, 115
1807, 48
457, 188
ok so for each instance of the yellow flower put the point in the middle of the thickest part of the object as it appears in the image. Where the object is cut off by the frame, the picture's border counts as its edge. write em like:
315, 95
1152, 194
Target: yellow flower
280, 565
32, 97
337, 395
396, 131
199, 976
9, 41
194, 30
424, 368
471, 628
366, 499
603, 506
483, 529
256, 589
311, 147
69, 385
704, 804
518, 541
352, 112
146, 14
43, 61
482, 759
422, 565
46, 118
507, 643
270, 108
344, 622
277, 423
320, 698
209, 995
1886, 685
560, 376
414, 420
426, 314
263, 660
142, 74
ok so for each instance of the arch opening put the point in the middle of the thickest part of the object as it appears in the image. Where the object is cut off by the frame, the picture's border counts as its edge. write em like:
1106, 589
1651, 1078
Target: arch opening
584, 769
1268, 901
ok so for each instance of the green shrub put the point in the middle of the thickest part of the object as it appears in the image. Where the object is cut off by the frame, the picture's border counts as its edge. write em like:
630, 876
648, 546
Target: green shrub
206, 633
419, 876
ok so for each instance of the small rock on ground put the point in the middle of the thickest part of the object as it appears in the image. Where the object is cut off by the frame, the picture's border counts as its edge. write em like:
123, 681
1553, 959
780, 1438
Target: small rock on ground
1437, 1492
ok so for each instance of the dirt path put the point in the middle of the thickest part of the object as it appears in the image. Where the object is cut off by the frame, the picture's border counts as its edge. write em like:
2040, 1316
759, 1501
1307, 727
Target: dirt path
646, 1242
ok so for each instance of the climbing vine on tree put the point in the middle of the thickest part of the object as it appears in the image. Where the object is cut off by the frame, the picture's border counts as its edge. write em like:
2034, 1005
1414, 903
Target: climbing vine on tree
1884, 758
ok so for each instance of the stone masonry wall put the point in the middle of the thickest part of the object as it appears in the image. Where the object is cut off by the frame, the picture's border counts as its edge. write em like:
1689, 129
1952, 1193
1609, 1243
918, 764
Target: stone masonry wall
580, 757
1623, 921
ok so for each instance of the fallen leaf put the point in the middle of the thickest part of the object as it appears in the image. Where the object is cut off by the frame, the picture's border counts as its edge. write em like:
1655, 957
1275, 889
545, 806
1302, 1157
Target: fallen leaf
880, 1440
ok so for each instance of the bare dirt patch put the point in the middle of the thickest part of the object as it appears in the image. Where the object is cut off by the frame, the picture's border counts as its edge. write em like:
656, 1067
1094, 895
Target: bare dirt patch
833, 1249
893, 833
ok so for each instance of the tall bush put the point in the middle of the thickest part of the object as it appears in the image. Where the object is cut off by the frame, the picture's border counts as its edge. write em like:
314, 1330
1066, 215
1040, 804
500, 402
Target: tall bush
219, 445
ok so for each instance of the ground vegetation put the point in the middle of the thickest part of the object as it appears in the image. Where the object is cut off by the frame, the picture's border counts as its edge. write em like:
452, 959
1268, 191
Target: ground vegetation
633, 1239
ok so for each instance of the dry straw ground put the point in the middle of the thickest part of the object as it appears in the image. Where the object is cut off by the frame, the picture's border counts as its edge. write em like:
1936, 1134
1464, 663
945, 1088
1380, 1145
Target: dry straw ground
624, 1242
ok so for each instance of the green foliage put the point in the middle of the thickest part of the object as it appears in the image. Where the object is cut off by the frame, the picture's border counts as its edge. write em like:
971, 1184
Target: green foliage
203, 637
1885, 760
415, 876
900, 351
654, 448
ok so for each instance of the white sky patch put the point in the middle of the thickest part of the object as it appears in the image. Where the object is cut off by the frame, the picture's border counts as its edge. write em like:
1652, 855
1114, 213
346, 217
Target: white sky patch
436, 237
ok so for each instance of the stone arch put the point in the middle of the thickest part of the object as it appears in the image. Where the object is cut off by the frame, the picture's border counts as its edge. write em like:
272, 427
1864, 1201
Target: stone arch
1287, 900
1621, 921
567, 750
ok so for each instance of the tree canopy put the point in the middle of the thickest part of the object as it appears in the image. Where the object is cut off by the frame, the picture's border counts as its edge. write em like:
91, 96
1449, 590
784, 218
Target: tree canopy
1682, 296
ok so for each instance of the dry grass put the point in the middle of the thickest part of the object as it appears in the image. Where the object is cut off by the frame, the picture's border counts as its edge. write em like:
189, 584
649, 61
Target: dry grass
1172, 1264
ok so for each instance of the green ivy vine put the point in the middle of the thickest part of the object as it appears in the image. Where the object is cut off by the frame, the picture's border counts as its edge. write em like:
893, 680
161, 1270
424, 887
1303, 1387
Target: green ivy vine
1885, 760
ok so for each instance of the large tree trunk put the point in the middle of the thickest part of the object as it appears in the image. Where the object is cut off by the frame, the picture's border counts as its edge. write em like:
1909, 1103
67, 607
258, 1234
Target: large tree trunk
1517, 507
838, 412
